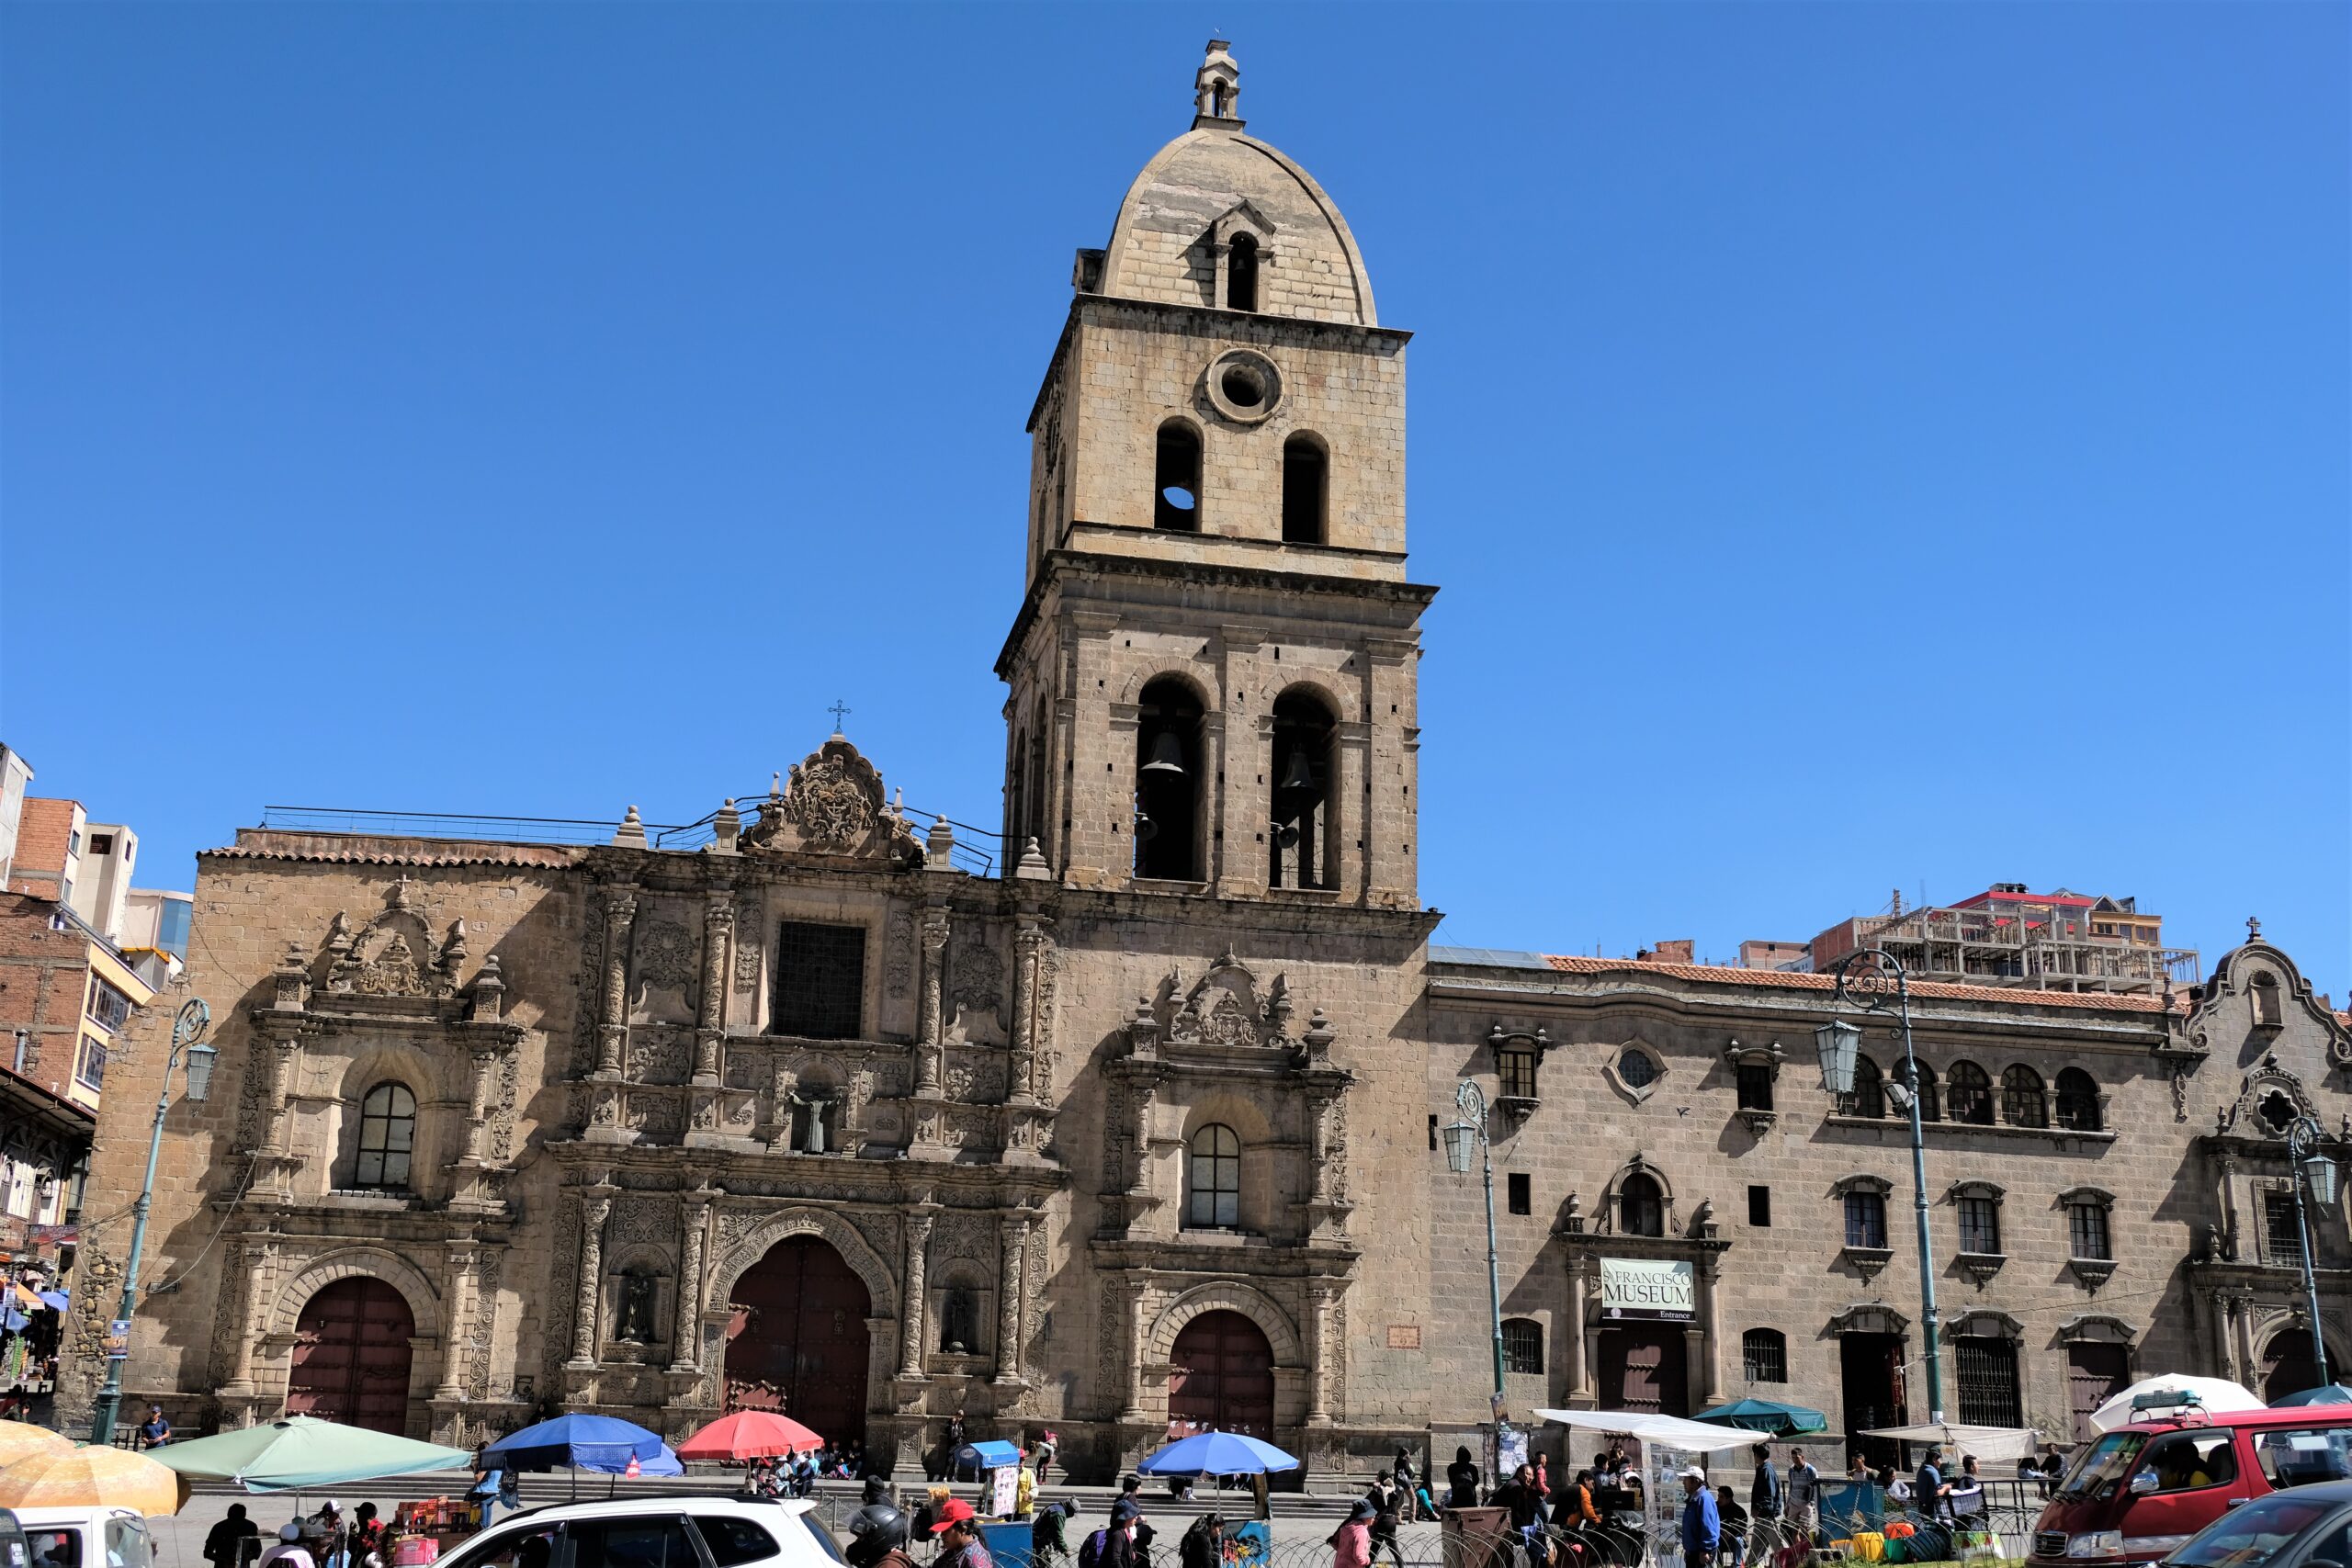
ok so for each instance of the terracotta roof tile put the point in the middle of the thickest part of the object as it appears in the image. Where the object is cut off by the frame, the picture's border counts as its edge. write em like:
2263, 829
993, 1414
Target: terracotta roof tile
347, 849
1724, 975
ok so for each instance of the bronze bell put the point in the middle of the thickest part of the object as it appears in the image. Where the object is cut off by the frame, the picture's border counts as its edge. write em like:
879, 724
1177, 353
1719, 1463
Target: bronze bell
1167, 755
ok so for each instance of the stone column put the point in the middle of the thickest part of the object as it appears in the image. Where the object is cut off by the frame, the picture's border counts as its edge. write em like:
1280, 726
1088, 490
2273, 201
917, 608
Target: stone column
1319, 1294
454, 1299
1131, 1402
1145, 1096
1011, 1289
718, 930
1027, 938
2217, 1313
283, 1054
485, 1076
242, 1271
911, 1298
932, 1026
685, 1350
1579, 1364
620, 914
595, 1207
2242, 1308
1711, 1337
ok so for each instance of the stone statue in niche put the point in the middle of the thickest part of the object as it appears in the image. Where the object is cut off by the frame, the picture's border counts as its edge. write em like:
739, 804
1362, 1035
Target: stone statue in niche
811, 1114
636, 1322
977, 990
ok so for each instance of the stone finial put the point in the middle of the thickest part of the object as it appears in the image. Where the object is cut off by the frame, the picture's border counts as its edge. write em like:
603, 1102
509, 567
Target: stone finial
1032, 866
1216, 88
489, 991
939, 844
726, 827
631, 835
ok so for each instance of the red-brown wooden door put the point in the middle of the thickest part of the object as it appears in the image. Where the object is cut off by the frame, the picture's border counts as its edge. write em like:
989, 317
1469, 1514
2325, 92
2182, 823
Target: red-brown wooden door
351, 1356
1645, 1369
1223, 1380
799, 1341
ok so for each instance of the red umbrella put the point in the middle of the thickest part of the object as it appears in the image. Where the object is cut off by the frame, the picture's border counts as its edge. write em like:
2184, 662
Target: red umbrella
750, 1434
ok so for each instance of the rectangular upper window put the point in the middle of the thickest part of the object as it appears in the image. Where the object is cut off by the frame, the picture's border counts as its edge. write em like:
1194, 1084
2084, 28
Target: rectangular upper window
102, 843
820, 980
1760, 1207
1522, 1199
90, 1066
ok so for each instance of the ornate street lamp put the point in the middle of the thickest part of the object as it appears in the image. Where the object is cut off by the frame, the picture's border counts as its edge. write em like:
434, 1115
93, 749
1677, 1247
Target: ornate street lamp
1873, 979
187, 1032
2316, 1170
1459, 1136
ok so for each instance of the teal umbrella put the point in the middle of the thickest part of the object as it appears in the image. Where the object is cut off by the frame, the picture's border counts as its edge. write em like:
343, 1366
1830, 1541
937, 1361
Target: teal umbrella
1767, 1415
303, 1453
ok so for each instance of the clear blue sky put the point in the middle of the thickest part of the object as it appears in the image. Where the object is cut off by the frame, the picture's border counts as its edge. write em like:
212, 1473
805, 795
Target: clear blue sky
1861, 447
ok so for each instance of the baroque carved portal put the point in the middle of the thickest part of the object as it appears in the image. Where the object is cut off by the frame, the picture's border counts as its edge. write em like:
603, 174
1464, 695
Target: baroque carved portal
833, 804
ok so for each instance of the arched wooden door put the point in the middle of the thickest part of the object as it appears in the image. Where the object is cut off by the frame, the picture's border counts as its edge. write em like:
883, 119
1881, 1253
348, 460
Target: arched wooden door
1223, 1380
799, 1341
351, 1356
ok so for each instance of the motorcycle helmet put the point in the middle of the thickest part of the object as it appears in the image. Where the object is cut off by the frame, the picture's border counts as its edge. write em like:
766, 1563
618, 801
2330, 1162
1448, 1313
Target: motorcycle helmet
874, 1531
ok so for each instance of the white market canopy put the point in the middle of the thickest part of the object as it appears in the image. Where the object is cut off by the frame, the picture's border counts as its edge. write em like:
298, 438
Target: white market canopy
2217, 1395
1984, 1442
1666, 1431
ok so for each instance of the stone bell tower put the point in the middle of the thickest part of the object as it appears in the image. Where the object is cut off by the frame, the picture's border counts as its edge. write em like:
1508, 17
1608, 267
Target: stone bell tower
1213, 672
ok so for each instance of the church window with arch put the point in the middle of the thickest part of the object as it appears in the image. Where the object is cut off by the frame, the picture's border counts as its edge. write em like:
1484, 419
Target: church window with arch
387, 1138
1176, 480
1305, 490
2078, 1106
1641, 1206
1241, 274
1299, 803
1168, 784
1522, 1346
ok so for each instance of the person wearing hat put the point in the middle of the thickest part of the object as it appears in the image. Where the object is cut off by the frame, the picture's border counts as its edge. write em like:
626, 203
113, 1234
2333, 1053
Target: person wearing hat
1351, 1544
957, 1526
1049, 1535
1703, 1526
289, 1551
1126, 1533
154, 1432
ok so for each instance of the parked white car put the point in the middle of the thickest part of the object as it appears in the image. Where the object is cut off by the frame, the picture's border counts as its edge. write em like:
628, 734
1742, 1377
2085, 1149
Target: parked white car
87, 1538
671, 1531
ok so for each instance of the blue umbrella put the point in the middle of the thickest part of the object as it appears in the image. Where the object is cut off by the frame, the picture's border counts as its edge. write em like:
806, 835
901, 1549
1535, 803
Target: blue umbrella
2327, 1393
57, 1299
602, 1443
1216, 1453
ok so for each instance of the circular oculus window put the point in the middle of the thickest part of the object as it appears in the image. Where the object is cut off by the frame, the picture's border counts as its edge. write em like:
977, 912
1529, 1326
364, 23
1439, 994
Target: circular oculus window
1244, 386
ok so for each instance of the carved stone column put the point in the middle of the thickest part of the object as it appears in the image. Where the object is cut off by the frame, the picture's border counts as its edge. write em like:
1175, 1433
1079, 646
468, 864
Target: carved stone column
454, 1318
1131, 1402
718, 930
933, 1024
1011, 1289
283, 1056
595, 1208
911, 1300
244, 1267
1145, 1098
2242, 1307
485, 1077
1319, 1293
686, 1351
620, 914
1027, 938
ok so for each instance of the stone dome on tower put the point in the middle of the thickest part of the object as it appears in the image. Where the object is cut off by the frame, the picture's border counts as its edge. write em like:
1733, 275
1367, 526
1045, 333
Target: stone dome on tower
1217, 211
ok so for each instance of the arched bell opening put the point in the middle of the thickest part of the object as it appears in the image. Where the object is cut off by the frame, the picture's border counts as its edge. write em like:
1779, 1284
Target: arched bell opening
1300, 842
1167, 782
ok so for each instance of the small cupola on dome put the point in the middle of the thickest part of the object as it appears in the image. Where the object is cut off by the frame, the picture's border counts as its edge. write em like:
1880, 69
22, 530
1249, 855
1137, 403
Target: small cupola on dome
1220, 219
1217, 89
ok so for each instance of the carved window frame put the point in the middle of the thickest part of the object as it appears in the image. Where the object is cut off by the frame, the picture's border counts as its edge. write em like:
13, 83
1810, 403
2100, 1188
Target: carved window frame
1613, 1070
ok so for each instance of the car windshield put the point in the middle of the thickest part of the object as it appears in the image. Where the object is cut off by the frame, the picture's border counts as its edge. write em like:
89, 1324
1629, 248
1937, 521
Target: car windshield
2103, 1464
2251, 1535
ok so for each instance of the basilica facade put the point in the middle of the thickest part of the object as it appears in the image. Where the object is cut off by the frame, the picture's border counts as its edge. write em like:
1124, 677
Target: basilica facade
797, 1109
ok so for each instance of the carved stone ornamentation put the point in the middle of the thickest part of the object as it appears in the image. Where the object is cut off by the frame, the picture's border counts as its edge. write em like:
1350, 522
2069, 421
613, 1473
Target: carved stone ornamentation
394, 955
833, 804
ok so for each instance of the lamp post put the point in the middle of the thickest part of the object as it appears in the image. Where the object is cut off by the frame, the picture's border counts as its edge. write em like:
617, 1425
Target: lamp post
1472, 1104
187, 1032
2319, 1171
1873, 979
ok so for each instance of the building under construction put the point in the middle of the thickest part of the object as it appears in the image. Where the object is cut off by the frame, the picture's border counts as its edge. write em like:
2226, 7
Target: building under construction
2008, 936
